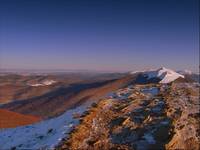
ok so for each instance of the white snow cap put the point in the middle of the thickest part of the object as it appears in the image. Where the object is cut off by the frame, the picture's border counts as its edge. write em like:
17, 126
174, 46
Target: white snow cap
166, 75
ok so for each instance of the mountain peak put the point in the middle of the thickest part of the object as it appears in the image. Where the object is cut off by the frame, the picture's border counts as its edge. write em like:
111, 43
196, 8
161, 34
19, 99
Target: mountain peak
164, 74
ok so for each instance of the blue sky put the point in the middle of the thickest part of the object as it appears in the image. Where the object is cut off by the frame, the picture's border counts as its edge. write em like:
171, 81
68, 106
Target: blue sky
114, 35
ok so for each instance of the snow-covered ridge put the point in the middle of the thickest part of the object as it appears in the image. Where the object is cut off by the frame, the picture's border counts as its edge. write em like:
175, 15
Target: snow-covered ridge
166, 75
44, 83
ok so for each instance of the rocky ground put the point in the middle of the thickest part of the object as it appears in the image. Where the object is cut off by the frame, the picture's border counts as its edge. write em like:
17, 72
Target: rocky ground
183, 107
141, 117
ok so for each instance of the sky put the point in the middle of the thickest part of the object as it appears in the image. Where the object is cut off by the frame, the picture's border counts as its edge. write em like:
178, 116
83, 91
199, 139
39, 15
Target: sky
112, 35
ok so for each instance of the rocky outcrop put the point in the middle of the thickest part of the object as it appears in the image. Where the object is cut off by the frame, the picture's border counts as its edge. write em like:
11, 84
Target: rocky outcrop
183, 102
140, 117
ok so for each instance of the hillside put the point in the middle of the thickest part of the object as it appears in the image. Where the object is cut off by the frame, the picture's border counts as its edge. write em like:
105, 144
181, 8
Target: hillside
10, 119
58, 101
17, 87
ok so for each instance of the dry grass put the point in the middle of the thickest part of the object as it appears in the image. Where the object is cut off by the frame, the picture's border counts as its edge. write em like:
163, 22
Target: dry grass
10, 119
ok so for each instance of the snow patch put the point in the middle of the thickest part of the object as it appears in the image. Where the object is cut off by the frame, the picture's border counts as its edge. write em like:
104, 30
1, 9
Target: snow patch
44, 83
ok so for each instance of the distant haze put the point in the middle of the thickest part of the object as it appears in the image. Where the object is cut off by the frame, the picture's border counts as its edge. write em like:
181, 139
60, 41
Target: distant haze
102, 35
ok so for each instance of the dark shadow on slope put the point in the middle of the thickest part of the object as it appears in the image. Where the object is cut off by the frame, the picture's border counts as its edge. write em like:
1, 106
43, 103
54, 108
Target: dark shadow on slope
142, 79
58, 101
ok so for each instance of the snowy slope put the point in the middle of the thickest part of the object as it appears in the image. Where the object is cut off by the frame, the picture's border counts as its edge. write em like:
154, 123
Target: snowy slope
45, 134
166, 75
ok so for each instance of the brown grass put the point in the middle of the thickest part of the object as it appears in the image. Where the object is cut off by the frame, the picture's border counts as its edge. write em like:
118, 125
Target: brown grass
9, 119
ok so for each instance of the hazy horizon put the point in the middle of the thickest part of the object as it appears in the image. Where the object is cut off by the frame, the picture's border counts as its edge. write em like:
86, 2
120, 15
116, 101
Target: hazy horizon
99, 35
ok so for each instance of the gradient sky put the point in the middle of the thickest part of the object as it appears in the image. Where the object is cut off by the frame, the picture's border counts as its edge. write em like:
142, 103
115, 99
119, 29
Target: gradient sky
116, 35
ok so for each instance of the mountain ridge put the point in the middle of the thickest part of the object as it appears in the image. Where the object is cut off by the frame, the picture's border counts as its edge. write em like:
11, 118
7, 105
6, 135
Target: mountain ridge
165, 75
